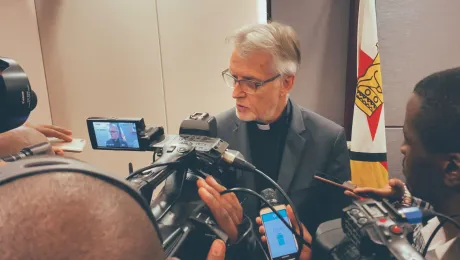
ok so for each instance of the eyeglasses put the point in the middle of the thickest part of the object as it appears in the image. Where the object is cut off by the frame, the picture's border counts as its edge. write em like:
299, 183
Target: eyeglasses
247, 85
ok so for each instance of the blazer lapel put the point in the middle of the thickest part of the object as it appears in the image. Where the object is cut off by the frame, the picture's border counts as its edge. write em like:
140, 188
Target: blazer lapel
245, 179
295, 143
240, 139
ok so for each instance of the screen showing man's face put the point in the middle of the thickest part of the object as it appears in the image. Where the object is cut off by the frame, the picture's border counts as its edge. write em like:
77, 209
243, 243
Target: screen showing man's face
114, 134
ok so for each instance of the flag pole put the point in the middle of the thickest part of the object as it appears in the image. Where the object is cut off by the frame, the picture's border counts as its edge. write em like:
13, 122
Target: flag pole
351, 73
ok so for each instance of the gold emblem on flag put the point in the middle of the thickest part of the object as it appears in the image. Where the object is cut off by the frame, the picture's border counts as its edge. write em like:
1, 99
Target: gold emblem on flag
369, 94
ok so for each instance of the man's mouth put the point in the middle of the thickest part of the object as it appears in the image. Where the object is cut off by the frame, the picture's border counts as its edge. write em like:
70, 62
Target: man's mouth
241, 108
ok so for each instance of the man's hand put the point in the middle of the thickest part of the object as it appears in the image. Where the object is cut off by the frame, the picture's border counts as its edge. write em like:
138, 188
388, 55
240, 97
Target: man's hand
226, 209
2, 163
394, 190
216, 252
53, 131
305, 254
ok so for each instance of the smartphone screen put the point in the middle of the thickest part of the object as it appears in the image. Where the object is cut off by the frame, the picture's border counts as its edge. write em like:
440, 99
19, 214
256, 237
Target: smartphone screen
280, 239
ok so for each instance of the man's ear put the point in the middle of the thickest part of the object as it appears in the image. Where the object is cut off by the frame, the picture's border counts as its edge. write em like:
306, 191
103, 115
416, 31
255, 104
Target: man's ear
452, 171
287, 84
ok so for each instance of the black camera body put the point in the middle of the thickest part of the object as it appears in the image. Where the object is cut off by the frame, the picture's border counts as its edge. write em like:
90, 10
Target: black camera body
185, 224
368, 229
376, 229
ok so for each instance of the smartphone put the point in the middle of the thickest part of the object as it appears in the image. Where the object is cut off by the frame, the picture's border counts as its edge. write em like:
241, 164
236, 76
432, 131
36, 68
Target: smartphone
75, 146
281, 242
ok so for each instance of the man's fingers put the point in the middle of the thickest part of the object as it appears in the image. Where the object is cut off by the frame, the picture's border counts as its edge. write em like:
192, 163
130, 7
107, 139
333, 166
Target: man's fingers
213, 183
368, 191
230, 197
58, 151
217, 251
396, 183
59, 129
264, 239
224, 202
262, 230
352, 194
292, 218
48, 132
223, 218
259, 221
306, 235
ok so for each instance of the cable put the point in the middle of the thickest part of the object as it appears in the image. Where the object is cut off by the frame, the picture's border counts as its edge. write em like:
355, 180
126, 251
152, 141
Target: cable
245, 165
425, 250
299, 224
263, 250
149, 167
176, 199
450, 219
299, 238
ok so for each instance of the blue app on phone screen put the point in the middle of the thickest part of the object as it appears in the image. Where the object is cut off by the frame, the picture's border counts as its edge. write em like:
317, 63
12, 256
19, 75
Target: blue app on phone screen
280, 239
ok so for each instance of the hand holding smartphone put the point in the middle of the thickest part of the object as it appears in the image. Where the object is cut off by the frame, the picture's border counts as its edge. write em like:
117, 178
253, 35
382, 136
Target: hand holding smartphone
281, 242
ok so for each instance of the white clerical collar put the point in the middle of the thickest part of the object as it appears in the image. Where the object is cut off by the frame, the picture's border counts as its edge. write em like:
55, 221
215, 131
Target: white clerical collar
263, 127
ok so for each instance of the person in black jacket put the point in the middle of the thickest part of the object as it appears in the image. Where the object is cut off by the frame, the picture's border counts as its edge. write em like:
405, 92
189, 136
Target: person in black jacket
431, 163
284, 140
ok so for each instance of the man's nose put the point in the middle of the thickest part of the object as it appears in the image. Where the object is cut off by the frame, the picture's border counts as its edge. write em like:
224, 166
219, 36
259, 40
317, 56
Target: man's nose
237, 91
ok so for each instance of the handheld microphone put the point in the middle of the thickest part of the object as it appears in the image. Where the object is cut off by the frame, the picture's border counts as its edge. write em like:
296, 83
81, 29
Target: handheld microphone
270, 195
38, 149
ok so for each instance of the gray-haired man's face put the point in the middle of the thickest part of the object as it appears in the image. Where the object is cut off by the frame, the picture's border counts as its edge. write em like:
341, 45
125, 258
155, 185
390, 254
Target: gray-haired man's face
114, 134
267, 103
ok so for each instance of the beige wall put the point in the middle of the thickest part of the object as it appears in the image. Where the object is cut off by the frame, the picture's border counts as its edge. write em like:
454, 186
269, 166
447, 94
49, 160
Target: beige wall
102, 58
160, 60
20, 41
416, 38
194, 53
322, 28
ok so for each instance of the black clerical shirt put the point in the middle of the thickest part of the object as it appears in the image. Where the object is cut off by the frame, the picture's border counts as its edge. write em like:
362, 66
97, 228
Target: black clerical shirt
267, 145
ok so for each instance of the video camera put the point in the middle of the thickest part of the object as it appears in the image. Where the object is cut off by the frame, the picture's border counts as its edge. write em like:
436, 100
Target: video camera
185, 223
369, 229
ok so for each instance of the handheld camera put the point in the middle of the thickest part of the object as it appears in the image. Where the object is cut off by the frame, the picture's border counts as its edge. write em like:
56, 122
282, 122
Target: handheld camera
369, 229
185, 223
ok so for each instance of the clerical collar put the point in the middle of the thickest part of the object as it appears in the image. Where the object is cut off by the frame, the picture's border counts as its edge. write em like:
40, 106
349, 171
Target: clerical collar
284, 118
263, 127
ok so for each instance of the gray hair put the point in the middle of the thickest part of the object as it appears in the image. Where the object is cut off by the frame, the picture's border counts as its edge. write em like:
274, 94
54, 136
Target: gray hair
278, 39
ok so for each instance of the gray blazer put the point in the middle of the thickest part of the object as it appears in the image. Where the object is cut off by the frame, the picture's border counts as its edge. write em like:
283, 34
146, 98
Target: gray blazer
314, 145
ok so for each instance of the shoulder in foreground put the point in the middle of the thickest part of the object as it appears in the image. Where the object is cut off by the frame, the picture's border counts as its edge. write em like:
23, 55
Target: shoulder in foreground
315, 121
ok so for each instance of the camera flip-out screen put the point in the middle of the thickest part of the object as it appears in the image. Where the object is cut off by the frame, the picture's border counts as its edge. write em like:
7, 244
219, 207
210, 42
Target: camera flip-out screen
115, 134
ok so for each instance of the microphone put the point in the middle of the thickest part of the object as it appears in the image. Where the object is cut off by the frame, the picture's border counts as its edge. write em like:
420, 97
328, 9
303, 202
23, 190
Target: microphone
234, 158
38, 149
270, 195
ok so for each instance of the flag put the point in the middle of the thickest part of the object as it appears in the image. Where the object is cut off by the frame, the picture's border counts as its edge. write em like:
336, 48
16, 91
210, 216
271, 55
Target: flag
368, 142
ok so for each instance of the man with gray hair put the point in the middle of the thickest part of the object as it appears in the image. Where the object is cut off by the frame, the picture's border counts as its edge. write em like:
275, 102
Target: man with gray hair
289, 143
